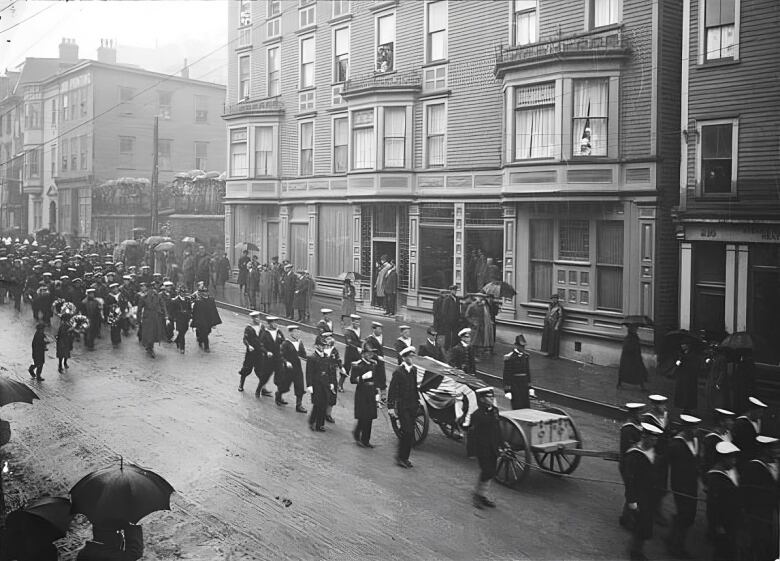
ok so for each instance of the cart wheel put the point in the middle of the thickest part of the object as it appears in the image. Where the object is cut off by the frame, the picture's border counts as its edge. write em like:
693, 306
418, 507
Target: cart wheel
514, 454
421, 424
558, 462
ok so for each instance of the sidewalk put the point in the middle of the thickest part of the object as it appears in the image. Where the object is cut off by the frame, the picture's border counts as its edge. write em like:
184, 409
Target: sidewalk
591, 386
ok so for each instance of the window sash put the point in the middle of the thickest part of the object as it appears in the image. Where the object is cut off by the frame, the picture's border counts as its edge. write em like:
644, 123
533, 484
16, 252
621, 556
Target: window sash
435, 135
395, 137
274, 85
609, 288
719, 12
386, 29
590, 117
340, 144
363, 147
265, 159
605, 12
574, 240
306, 148
535, 132
525, 27
719, 42
609, 242
274, 8
307, 62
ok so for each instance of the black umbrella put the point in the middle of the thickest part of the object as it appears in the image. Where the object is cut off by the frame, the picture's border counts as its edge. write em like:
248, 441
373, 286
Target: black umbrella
499, 289
638, 320
126, 492
247, 246
738, 340
679, 336
12, 391
46, 519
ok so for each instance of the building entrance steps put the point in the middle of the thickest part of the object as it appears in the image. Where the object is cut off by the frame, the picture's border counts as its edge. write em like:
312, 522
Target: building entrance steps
582, 386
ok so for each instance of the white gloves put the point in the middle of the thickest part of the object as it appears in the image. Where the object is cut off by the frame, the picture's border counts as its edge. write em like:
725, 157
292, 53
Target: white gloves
269, 355
309, 390
633, 506
466, 424
378, 398
367, 376
508, 395
332, 387
678, 362
288, 364
380, 358
531, 392
393, 413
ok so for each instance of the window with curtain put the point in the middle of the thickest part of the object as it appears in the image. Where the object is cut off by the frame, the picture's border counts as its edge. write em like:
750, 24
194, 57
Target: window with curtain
243, 77
574, 240
340, 144
603, 12
437, 30
307, 62
83, 151
307, 148
385, 43
274, 8
716, 158
238, 160
299, 244
335, 256
341, 54
541, 251
591, 110
363, 139
395, 137
719, 19
609, 265
535, 122
274, 71
245, 13
524, 21
436, 125
265, 159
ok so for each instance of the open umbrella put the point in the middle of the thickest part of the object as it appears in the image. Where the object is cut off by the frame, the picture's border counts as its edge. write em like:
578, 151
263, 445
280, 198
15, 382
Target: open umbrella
46, 519
679, 336
247, 246
165, 246
12, 391
738, 340
190, 239
139, 230
125, 492
638, 320
499, 289
152, 241
126, 243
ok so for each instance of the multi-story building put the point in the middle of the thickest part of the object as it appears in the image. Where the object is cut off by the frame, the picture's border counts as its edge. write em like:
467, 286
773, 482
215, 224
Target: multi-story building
729, 213
12, 200
533, 133
91, 121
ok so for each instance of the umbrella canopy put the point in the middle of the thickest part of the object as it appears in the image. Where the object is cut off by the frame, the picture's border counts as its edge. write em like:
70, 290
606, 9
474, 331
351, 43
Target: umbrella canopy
190, 239
12, 391
165, 246
680, 336
125, 492
43, 232
247, 246
139, 230
738, 340
499, 289
638, 320
152, 241
128, 243
46, 519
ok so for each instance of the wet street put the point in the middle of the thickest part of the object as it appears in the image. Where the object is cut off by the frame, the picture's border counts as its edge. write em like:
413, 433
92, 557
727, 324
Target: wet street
253, 482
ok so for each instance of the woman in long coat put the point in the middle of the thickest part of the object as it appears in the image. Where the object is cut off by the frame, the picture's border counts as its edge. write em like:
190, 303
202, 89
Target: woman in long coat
551, 335
475, 315
64, 342
632, 369
152, 313
347, 299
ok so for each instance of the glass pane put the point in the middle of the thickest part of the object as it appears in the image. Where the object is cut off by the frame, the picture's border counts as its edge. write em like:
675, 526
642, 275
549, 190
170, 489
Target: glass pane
610, 288
384, 221
541, 232
716, 176
342, 41
307, 50
386, 27
437, 16
574, 242
436, 245
541, 280
335, 256
484, 253
306, 135
716, 141
340, 131
610, 242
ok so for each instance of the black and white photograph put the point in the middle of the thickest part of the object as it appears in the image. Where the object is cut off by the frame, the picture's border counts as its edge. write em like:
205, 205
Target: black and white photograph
424, 280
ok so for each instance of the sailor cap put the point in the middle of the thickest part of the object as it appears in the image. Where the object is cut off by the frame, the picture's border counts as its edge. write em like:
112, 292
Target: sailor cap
408, 350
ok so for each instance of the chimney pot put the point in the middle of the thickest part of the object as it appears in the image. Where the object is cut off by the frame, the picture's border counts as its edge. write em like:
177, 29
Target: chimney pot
69, 50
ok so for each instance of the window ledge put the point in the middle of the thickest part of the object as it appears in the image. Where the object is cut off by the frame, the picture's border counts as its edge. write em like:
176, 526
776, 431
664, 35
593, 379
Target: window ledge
306, 115
243, 48
340, 19
441, 62
570, 263
530, 161
717, 63
273, 40
307, 29
338, 108
608, 27
379, 6
432, 94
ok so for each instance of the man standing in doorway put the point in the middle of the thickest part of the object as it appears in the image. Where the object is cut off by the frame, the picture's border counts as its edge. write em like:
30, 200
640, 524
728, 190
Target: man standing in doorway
381, 276
391, 289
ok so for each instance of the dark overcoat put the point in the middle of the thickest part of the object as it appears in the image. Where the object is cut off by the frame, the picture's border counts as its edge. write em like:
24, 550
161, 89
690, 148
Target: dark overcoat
365, 392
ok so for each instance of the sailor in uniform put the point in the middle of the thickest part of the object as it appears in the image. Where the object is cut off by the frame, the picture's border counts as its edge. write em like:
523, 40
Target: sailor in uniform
639, 476
380, 377
761, 495
404, 340
724, 507
630, 434
362, 375
293, 351
325, 325
659, 416
684, 478
517, 375
720, 433
462, 353
746, 428
255, 351
352, 346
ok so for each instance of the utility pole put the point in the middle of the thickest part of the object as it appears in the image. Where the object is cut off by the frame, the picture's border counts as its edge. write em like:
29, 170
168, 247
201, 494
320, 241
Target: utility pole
154, 189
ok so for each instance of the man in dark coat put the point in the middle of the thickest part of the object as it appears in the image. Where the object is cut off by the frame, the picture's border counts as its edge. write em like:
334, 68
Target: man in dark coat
686, 379
380, 376
151, 316
254, 351
724, 504
293, 351
180, 314
204, 317
483, 442
630, 435
449, 316
402, 404
391, 289
352, 346
243, 271
108, 544
203, 267
91, 308
223, 271
747, 427
362, 374
39, 344
639, 478
684, 480
404, 340
272, 339
318, 384
517, 375
287, 289
431, 347
720, 433
551, 334
42, 304
761, 495
462, 354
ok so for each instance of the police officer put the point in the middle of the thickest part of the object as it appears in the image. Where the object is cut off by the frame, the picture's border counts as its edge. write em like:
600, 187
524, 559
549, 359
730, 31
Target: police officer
684, 478
640, 493
517, 375
630, 434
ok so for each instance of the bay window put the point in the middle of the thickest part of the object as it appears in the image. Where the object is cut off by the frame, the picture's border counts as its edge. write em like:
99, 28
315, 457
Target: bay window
363, 139
307, 63
238, 153
436, 33
590, 117
535, 121
385, 43
340, 144
341, 54
265, 157
306, 148
435, 133
524, 22
395, 137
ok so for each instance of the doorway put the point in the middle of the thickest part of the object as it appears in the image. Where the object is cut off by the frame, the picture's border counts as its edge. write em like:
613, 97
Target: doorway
764, 302
380, 248
709, 289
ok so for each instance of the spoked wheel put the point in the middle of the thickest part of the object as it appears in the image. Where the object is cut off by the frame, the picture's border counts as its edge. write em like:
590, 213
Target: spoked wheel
421, 424
559, 462
452, 431
514, 454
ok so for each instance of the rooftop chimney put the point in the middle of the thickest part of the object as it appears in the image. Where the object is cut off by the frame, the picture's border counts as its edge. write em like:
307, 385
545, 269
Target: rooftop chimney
69, 50
185, 72
107, 51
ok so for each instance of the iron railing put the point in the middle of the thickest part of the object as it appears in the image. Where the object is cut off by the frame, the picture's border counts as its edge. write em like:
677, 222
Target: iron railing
270, 104
384, 80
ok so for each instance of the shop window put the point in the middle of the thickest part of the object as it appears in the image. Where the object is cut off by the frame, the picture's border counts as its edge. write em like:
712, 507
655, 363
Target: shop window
709, 288
437, 238
574, 240
299, 244
590, 117
524, 22
717, 170
535, 121
609, 265
764, 301
542, 245
719, 28
484, 247
385, 43
335, 225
